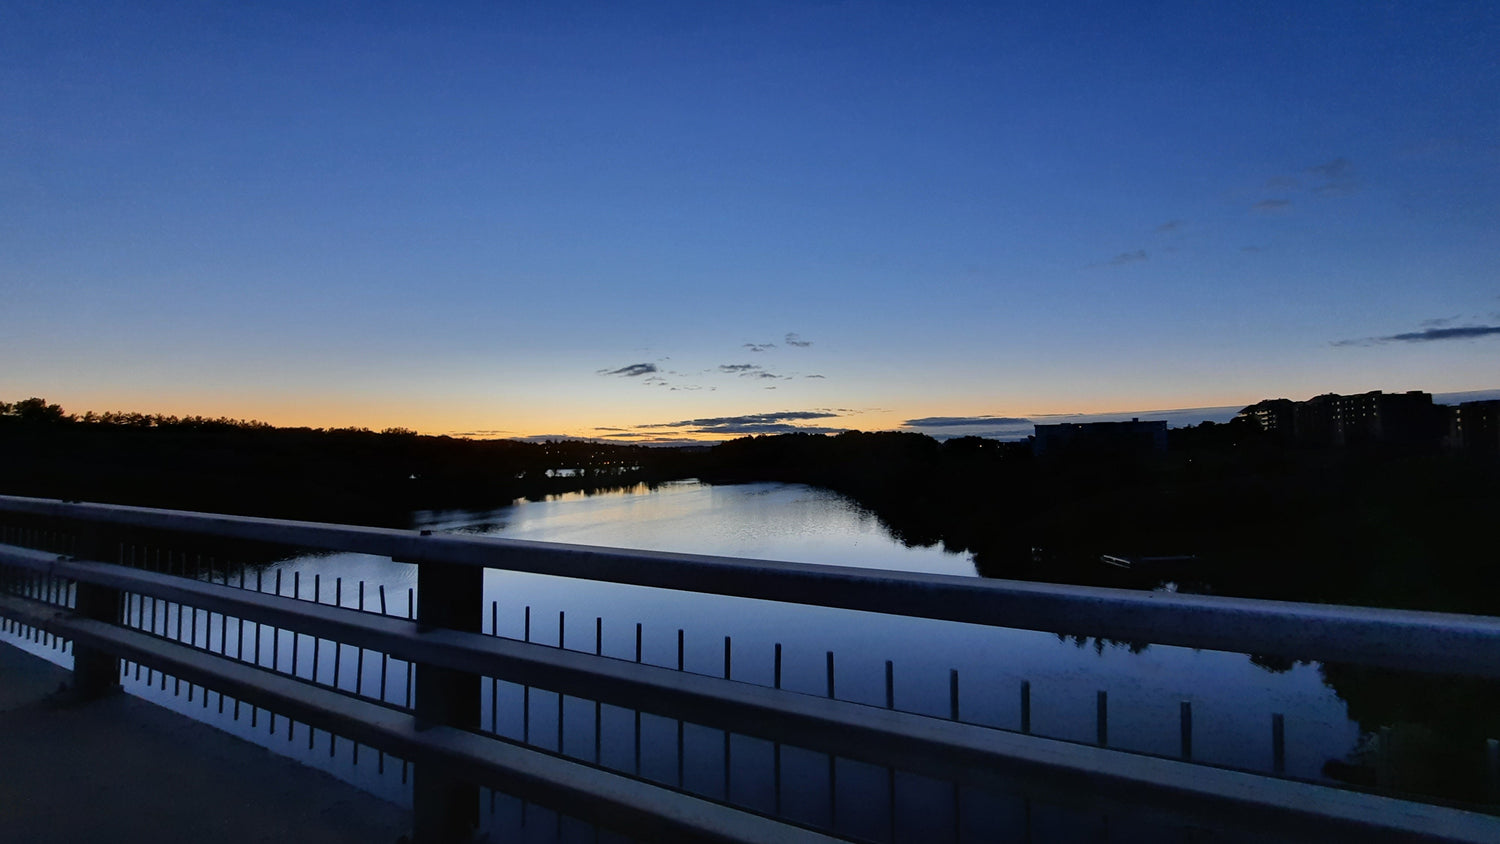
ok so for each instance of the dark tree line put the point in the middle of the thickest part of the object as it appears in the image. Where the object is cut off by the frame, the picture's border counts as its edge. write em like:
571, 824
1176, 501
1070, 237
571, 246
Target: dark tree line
252, 468
1262, 518
1403, 527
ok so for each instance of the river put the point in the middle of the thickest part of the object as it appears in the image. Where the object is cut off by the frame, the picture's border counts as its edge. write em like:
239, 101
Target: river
1233, 700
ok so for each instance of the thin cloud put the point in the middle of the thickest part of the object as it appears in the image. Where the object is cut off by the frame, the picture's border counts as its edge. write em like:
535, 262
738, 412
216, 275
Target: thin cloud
814, 376
1271, 206
632, 371
759, 347
1427, 335
1338, 177
1127, 258
748, 370
1169, 226
1440, 322
754, 423
748, 428
1251, 249
1335, 169
795, 340
962, 421
767, 428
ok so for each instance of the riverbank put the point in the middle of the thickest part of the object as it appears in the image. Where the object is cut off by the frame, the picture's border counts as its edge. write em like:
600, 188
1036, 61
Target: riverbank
122, 769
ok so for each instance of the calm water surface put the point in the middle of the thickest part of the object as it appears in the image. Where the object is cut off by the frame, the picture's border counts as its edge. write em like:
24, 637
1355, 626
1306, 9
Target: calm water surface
761, 521
1233, 700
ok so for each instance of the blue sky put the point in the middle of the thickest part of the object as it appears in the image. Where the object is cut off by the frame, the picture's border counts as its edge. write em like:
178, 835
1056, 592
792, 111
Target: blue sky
599, 219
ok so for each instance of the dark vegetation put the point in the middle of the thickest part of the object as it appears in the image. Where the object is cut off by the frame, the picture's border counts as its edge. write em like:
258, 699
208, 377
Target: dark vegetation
1379, 527
1401, 527
1376, 526
251, 468
1398, 527
1433, 731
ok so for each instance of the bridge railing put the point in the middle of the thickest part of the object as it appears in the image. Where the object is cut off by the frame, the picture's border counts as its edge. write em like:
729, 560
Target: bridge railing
439, 730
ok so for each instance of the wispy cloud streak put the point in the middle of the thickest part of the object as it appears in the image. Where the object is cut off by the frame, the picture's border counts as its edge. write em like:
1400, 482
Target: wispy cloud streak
748, 419
1427, 335
963, 421
782, 422
631, 371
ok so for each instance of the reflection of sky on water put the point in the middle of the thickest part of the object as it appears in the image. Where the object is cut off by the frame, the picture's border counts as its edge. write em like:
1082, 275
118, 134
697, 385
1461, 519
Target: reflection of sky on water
1232, 699
760, 521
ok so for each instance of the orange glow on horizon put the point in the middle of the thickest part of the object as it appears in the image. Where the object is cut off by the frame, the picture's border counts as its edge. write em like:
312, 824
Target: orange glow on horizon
634, 423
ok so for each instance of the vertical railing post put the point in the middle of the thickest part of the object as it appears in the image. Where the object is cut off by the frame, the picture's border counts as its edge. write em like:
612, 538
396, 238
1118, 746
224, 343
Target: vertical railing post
445, 809
1492, 770
96, 673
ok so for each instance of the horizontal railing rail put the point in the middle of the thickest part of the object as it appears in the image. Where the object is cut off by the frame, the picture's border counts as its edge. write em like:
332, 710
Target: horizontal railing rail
1444, 643
632, 806
1061, 772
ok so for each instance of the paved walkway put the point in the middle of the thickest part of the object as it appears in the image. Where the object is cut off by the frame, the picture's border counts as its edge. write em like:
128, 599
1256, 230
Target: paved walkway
123, 770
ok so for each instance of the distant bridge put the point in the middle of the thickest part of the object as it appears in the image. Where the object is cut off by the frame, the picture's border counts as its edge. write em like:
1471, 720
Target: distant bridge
73, 571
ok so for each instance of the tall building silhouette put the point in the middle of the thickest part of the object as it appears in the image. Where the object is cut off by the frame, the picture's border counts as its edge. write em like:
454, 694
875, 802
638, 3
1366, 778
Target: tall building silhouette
1337, 420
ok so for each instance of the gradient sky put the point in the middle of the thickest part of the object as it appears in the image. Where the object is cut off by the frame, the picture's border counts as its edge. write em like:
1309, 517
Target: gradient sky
660, 220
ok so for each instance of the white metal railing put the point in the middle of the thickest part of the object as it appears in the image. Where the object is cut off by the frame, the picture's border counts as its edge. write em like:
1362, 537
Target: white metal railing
451, 656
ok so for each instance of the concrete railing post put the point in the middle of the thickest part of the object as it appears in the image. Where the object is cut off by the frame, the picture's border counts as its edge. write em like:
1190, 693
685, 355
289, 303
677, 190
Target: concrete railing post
95, 672
445, 810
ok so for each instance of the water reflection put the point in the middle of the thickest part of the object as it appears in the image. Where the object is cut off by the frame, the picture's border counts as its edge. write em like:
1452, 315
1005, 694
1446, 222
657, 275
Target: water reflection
763, 521
1233, 698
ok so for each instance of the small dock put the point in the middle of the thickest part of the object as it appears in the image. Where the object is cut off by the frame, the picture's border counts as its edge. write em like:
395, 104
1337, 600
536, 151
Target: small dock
123, 769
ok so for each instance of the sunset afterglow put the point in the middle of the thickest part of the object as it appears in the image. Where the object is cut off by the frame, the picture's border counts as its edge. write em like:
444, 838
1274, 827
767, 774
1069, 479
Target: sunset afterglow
670, 222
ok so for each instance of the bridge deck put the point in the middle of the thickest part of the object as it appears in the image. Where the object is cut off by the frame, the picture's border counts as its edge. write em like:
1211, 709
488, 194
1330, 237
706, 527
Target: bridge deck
122, 769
